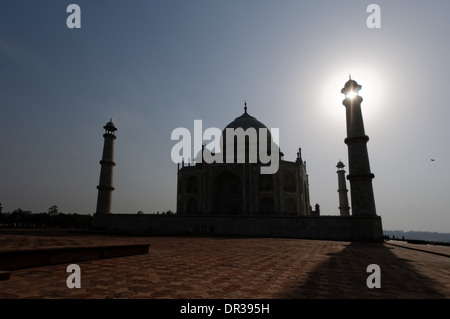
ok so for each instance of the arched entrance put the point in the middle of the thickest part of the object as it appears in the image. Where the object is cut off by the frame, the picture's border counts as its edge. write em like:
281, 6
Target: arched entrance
291, 206
266, 206
227, 194
192, 206
192, 185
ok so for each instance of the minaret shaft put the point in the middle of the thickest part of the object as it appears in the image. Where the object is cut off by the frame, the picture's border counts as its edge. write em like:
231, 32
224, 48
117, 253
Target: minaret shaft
342, 190
105, 186
360, 176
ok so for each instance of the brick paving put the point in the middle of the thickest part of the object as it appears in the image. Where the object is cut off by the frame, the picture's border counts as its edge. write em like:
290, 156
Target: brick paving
230, 268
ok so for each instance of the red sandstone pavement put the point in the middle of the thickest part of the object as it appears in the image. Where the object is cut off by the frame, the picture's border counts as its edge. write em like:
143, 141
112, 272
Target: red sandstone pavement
231, 268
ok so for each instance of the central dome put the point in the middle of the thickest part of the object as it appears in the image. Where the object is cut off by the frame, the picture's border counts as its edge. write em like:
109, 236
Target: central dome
246, 122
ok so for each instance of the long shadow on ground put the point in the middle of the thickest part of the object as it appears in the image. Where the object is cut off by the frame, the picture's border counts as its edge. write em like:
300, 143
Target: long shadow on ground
344, 275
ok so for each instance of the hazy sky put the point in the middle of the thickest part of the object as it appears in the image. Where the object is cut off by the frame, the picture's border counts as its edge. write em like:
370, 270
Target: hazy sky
154, 66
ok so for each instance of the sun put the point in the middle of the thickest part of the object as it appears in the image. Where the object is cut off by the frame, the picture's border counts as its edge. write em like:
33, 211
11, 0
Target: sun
374, 91
351, 95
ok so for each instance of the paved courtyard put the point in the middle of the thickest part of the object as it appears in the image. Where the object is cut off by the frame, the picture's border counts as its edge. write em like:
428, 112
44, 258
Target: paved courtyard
230, 268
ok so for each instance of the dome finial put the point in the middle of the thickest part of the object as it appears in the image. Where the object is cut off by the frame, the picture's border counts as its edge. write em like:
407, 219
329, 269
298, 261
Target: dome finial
245, 106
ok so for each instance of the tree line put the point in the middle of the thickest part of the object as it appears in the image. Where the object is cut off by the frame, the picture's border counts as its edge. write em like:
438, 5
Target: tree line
52, 218
418, 235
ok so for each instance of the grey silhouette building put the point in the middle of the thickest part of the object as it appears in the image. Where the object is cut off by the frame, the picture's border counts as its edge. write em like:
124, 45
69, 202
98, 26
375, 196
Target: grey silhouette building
240, 188
235, 199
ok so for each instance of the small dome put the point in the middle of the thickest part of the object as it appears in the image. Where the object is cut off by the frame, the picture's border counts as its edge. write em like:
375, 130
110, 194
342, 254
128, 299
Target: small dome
351, 86
340, 165
110, 127
203, 154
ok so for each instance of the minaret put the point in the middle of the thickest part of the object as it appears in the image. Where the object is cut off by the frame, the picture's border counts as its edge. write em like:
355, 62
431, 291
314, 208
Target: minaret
343, 197
360, 177
317, 209
105, 187
299, 156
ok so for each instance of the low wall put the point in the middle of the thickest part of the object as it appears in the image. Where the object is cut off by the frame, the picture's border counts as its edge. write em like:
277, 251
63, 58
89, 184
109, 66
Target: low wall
350, 228
29, 258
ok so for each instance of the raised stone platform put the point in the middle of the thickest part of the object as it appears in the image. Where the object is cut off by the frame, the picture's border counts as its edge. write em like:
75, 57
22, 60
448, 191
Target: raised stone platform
29, 258
4, 275
217, 268
348, 228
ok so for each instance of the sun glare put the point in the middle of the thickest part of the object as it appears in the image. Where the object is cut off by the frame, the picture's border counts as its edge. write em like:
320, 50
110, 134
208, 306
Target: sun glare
351, 95
373, 92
